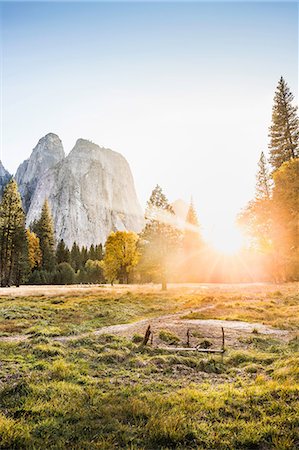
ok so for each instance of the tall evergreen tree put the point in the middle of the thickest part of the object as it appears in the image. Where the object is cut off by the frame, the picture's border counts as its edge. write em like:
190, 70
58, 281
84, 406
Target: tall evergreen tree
44, 229
257, 219
13, 243
76, 261
92, 253
99, 252
286, 218
34, 251
62, 253
84, 256
160, 236
262, 187
284, 131
192, 238
191, 269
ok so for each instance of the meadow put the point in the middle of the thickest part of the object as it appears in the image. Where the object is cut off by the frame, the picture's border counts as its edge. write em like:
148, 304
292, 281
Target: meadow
68, 383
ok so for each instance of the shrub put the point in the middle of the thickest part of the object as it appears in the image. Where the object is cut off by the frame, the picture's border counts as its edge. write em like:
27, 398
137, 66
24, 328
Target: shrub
169, 337
64, 274
137, 338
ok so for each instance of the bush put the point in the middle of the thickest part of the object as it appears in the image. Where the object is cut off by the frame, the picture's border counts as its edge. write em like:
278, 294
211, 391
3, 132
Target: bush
94, 271
169, 337
41, 277
137, 338
64, 274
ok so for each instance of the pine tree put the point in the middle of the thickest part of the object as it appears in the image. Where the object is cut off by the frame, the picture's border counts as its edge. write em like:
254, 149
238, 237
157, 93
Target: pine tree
13, 242
99, 252
76, 262
62, 253
286, 218
192, 216
84, 256
34, 251
192, 247
92, 253
192, 237
160, 236
44, 229
262, 188
284, 131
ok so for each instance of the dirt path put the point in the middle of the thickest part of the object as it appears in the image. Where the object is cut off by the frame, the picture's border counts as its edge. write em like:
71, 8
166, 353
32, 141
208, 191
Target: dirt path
209, 329
199, 329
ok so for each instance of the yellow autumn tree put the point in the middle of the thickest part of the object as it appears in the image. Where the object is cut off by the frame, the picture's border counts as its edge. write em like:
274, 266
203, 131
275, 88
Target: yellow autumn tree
286, 216
34, 251
121, 256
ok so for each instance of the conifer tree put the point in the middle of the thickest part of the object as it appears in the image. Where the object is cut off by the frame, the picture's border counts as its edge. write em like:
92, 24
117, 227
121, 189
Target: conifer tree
99, 252
76, 262
62, 253
160, 236
284, 131
92, 253
192, 247
286, 218
262, 187
84, 256
192, 238
44, 229
34, 251
13, 242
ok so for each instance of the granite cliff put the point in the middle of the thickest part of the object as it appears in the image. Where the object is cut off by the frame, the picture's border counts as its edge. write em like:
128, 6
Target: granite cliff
4, 178
91, 191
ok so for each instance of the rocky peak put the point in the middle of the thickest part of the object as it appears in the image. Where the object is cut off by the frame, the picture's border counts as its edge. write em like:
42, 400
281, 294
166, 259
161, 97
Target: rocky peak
47, 153
91, 192
4, 178
3, 171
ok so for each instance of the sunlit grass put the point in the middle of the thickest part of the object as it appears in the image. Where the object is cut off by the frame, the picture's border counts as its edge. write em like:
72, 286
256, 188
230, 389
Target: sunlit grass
106, 392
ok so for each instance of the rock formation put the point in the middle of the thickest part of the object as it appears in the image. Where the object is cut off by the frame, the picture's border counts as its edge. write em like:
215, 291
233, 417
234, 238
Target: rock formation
91, 191
48, 152
4, 178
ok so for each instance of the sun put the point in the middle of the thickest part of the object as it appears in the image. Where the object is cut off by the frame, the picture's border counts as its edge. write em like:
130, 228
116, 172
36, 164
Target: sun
226, 240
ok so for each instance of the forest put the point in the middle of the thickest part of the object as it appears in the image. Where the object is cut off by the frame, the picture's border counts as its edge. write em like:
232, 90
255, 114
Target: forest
167, 250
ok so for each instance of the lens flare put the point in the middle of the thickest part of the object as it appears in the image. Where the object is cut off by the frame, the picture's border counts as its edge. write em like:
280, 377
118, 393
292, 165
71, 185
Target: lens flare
225, 239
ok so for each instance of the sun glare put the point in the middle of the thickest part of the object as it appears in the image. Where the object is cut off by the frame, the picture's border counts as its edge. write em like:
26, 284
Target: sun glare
227, 240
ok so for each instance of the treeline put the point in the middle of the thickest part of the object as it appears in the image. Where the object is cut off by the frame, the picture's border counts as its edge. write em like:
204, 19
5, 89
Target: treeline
168, 249
271, 219
32, 256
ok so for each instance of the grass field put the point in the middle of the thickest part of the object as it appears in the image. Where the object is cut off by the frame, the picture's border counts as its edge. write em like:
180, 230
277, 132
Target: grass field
65, 385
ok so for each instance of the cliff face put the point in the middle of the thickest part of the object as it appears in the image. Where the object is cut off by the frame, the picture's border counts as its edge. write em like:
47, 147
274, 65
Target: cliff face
48, 152
4, 178
91, 191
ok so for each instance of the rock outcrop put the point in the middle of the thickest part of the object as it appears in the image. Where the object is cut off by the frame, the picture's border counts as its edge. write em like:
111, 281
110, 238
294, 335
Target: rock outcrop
4, 178
48, 152
91, 191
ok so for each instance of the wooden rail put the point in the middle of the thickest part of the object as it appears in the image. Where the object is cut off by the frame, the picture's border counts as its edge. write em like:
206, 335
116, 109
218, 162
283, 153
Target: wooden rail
149, 333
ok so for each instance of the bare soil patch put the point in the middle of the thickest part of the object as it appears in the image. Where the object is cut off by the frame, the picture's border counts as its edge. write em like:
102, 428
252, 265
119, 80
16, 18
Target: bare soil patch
209, 329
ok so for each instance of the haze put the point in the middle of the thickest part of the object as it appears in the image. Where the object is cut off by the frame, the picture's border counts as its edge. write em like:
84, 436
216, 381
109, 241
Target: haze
183, 90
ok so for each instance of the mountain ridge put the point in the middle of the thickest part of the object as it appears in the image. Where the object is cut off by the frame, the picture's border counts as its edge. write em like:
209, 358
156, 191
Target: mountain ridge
91, 190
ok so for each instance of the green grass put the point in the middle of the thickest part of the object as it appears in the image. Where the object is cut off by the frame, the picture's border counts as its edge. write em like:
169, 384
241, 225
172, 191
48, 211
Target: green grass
106, 392
168, 337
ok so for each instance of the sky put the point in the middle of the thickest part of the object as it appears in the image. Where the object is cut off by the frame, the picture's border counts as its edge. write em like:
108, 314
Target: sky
183, 90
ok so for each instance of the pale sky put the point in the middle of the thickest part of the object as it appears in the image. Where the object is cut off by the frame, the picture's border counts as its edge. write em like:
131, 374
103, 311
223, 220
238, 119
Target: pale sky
183, 90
